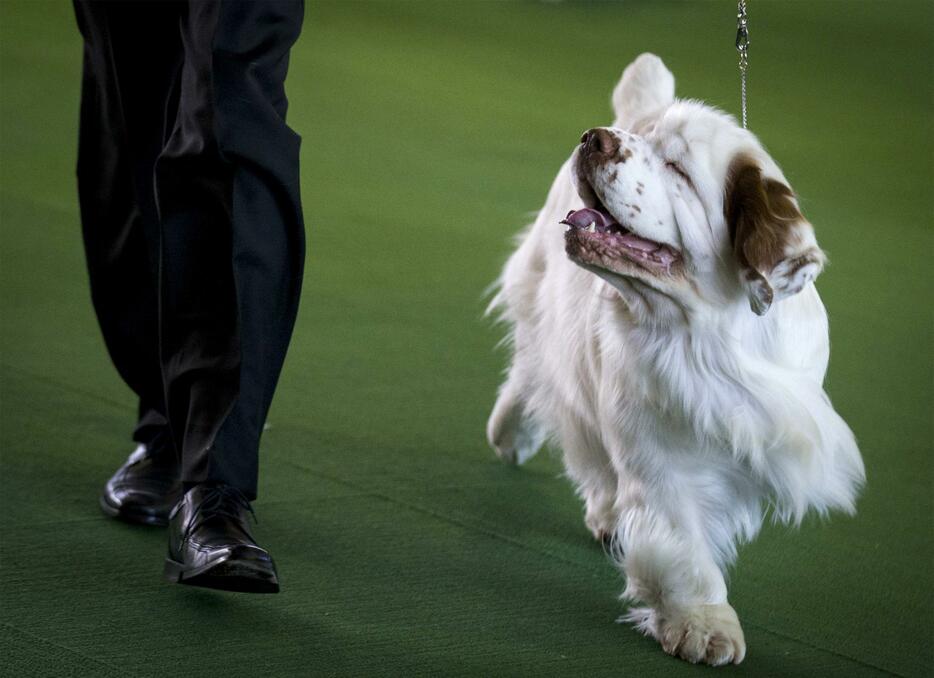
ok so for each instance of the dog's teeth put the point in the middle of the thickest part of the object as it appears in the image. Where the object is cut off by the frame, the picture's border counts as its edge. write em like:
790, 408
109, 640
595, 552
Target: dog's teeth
593, 227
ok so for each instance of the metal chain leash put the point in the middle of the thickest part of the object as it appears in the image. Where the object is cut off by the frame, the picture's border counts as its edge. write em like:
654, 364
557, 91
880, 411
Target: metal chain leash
742, 46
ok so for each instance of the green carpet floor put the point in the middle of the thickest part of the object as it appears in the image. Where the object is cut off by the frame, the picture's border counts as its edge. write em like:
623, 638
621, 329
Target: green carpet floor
430, 131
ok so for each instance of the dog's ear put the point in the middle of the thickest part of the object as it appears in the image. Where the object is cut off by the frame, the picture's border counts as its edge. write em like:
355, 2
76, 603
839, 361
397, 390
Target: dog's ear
645, 87
772, 241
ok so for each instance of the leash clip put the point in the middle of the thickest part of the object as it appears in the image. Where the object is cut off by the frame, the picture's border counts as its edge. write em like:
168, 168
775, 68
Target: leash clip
742, 27
742, 35
742, 39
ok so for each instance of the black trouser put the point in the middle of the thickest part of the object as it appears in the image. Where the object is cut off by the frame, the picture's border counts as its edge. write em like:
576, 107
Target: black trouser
189, 191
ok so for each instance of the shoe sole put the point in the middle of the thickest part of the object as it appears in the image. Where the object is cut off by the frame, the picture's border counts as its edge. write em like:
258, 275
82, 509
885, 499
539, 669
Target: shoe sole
226, 575
133, 517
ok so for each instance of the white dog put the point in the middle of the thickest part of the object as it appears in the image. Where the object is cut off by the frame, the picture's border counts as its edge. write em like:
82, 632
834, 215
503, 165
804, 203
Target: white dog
666, 334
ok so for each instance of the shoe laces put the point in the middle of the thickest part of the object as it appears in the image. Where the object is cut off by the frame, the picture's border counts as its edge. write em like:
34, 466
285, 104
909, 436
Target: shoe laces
219, 500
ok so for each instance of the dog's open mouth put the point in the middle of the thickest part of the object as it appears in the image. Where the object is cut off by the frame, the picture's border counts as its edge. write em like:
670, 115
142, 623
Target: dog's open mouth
594, 237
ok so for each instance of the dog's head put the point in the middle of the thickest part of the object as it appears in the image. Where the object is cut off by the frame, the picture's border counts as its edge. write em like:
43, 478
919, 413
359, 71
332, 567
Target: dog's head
684, 206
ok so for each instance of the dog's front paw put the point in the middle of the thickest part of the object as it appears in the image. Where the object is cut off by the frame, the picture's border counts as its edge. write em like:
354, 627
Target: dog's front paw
601, 518
705, 633
517, 448
513, 436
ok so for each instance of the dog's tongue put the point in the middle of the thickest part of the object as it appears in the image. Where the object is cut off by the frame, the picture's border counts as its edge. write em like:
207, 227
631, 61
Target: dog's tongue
605, 224
583, 218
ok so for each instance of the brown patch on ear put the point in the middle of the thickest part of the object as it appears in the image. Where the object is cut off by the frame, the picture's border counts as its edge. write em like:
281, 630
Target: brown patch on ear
772, 241
760, 214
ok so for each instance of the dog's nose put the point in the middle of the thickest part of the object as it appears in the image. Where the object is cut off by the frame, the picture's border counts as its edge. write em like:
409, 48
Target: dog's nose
598, 140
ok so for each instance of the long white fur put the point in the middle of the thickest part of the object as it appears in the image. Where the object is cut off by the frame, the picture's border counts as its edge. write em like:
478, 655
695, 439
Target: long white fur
681, 414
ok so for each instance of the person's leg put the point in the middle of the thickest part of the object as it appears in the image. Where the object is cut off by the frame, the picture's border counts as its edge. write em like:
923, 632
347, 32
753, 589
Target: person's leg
118, 225
132, 54
227, 188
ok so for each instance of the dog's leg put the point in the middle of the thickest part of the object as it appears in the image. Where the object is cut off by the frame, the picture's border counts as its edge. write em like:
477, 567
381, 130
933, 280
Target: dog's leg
510, 431
670, 568
592, 472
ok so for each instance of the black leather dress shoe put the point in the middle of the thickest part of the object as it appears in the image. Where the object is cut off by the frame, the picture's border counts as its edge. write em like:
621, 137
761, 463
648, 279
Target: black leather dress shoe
210, 543
145, 488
